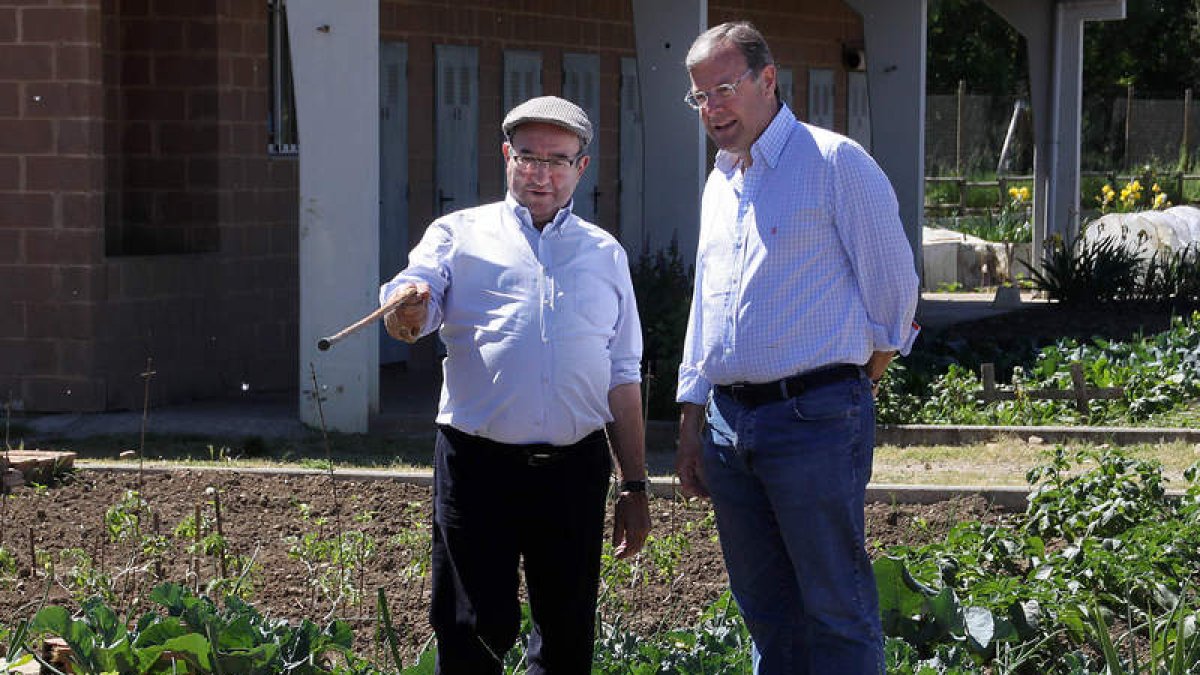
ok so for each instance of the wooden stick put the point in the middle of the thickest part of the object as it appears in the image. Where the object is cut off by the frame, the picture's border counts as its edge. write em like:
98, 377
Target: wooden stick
410, 292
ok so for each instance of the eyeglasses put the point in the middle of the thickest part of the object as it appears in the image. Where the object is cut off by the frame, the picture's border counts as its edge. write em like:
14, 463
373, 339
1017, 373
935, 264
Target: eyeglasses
721, 92
533, 163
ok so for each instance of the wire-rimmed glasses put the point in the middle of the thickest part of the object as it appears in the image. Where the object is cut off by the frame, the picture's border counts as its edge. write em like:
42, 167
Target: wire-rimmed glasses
721, 92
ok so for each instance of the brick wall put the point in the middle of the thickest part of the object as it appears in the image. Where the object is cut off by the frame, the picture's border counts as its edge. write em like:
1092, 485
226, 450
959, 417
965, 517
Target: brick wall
546, 26
213, 301
802, 35
51, 184
141, 216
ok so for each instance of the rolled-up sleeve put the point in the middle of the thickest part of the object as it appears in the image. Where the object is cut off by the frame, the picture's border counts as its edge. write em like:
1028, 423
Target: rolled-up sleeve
428, 263
868, 222
625, 348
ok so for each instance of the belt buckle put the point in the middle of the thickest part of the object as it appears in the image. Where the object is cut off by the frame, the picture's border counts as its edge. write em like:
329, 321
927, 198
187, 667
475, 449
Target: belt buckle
737, 391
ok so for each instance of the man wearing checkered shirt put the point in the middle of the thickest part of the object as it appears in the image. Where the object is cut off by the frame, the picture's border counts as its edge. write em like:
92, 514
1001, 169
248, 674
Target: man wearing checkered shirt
805, 290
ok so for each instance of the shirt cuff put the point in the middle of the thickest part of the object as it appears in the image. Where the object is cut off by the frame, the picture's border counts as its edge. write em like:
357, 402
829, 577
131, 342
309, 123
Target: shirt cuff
693, 387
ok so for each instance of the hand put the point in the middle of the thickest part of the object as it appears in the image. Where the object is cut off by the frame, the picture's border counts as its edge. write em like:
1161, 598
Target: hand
689, 466
631, 523
406, 321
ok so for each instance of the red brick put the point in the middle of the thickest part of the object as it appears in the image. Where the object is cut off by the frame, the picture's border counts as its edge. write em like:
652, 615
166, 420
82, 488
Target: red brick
64, 173
152, 35
155, 174
79, 137
12, 251
63, 247
71, 320
72, 394
81, 210
55, 25
23, 137
152, 104
10, 175
10, 99
26, 210
188, 138
185, 71
75, 357
26, 62
76, 99
77, 62
8, 24
13, 325
202, 105
28, 357
134, 70
27, 282
81, 283
201, 35
229, 38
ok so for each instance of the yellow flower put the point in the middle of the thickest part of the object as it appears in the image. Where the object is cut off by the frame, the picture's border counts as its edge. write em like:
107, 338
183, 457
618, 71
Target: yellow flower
1160, 201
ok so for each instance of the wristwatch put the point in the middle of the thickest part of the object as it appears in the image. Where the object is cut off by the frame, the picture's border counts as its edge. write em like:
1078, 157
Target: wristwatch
633, 486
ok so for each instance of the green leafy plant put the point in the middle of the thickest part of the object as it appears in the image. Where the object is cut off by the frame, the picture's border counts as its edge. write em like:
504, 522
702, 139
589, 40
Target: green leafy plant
663, 286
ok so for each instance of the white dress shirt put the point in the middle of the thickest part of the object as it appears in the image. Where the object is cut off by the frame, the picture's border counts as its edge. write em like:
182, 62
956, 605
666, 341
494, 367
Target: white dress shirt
538, 326
802, 263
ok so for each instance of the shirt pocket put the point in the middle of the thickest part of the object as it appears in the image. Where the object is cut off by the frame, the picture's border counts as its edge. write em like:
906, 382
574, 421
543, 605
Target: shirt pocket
591, 303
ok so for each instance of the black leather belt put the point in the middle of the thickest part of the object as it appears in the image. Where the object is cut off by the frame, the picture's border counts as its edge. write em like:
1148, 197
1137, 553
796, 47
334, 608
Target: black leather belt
755, 394
533, 454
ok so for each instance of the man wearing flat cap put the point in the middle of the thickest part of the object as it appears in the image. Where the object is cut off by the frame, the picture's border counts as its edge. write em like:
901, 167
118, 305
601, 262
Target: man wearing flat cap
541, 377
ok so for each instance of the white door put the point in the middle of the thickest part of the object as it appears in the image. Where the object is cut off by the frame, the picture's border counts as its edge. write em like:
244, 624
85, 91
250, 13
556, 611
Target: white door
457, 128
393, 176
581, 85
786, 79
630, 180
858, 109
522, 78
820, 97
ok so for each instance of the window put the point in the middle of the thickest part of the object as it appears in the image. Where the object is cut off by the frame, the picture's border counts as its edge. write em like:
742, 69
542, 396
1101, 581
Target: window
281, 124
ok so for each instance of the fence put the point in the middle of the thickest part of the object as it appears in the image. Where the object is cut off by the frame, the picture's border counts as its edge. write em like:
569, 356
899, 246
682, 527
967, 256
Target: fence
1121, 129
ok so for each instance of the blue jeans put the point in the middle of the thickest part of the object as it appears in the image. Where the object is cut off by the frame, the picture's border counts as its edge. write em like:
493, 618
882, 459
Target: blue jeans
788, 482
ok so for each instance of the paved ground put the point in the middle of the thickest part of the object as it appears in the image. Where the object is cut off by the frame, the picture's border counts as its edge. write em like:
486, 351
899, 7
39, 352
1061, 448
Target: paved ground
408, 399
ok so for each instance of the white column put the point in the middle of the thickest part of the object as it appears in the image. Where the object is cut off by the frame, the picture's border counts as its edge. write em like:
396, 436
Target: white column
674, 152
895, 52
1053, 34
335, 62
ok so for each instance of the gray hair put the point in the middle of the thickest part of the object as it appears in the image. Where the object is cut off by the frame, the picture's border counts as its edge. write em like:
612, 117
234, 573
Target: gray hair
740, 34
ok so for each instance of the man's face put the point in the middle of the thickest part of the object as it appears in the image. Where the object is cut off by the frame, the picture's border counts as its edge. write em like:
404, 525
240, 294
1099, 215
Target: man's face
734, 122
540, 188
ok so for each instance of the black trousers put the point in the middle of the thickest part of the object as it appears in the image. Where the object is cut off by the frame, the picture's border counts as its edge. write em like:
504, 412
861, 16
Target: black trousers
495, 504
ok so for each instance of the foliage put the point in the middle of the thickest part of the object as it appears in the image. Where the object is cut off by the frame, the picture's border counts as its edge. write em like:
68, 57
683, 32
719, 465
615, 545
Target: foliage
1098, 540
1087, 272
663, 286
1158, 374
192, 634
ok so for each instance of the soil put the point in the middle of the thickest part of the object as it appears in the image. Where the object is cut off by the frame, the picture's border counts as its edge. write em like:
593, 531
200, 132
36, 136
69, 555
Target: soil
259, 512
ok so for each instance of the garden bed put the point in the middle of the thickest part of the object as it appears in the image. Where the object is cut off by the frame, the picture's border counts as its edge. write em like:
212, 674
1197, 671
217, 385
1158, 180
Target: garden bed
70, 528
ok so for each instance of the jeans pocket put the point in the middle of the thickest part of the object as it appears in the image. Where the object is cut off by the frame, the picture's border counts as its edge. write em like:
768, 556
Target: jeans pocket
837, 401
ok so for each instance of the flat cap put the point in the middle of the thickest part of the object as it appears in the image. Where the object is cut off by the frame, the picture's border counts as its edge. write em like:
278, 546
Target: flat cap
550, 110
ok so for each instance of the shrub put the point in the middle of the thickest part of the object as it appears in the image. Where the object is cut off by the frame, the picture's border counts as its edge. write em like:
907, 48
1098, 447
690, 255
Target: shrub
663, 286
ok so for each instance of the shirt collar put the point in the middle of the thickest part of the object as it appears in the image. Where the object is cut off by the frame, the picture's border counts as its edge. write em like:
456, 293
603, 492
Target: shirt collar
769, 145
526, 219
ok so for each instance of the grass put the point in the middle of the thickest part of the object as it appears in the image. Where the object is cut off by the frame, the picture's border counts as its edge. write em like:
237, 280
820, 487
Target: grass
396, 452
1001, 463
